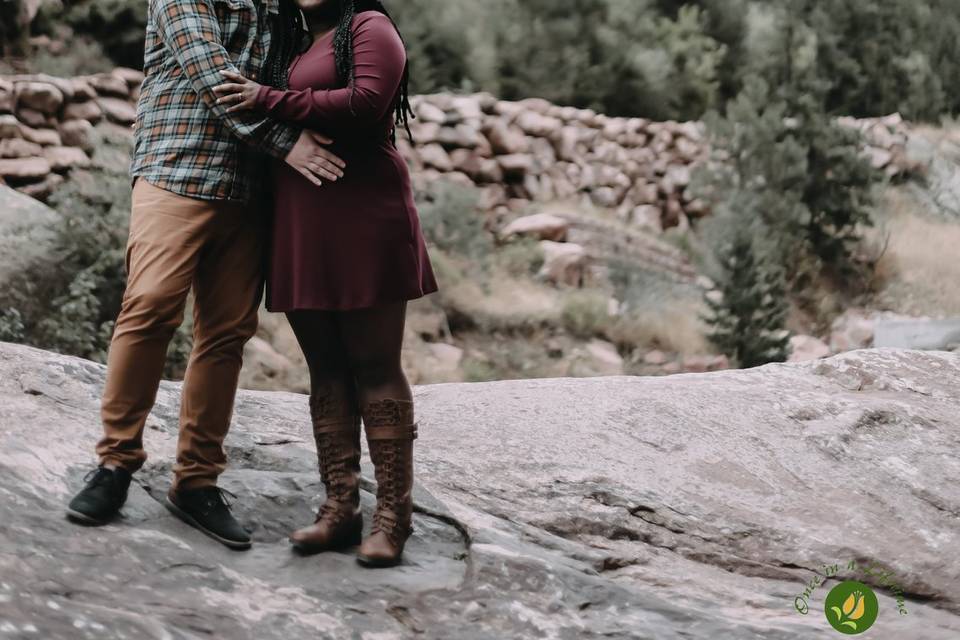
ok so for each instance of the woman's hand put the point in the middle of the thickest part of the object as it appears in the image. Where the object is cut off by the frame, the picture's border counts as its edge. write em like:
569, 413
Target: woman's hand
240, 93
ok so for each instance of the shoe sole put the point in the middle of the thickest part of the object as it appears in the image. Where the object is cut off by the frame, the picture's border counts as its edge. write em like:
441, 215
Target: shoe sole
375, 563
190, 520
307, 549
82, 518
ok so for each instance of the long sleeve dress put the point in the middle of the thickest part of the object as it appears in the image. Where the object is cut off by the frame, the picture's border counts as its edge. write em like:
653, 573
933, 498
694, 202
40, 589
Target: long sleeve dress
354, 243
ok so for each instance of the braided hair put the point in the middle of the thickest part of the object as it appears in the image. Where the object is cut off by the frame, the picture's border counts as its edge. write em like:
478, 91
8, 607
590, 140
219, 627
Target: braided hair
288, 40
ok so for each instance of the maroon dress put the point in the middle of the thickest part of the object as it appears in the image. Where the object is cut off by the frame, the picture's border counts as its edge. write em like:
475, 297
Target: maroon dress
354, 243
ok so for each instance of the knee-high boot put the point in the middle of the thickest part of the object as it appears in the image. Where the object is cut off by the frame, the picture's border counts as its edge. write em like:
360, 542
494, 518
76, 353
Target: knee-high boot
339, 523
390, 433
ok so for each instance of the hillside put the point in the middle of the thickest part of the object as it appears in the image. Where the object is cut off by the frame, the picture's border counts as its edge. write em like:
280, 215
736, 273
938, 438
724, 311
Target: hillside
567, 242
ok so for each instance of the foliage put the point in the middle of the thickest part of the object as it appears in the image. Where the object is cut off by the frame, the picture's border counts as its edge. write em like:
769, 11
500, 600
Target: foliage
70, 306
792, 177
748, 318
118, 26
451, 220
586, 313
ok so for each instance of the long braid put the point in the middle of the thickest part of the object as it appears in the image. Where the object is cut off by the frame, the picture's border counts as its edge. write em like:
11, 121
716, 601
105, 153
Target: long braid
343, 56
286, 41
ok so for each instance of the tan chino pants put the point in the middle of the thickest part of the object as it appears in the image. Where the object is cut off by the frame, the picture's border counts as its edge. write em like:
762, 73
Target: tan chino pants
178, 243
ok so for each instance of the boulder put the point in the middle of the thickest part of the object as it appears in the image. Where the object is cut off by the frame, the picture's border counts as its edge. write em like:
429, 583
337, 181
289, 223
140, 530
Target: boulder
516, 165
629, 495
564, 263
88, 110
131, 77
20, 170
19, 148
504, 139
434, 155
542, 226
852, 330
45, 137
427, 112
26, 234
118, 110
108, 84
804, 348
8, 100
64, 158
34, 118
42, 190
597, 358
40, 96
10, 127
917, 333
76, 133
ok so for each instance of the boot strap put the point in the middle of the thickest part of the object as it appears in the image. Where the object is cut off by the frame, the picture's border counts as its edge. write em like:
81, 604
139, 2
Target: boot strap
337, 426
408, 432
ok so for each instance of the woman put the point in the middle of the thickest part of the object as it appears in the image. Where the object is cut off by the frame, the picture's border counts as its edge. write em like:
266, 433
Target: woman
346, 256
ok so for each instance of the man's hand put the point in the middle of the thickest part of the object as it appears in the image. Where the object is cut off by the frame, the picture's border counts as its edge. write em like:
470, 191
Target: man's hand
313, 161
240, 94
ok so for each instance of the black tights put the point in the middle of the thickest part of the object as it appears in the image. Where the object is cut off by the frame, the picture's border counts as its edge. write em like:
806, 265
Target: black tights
354, 357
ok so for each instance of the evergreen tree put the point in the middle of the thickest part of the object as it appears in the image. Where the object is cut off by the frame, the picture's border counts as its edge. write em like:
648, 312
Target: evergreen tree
747, 319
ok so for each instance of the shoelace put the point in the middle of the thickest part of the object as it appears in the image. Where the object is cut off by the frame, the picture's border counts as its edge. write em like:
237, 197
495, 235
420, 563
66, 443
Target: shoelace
98, 476
216, 498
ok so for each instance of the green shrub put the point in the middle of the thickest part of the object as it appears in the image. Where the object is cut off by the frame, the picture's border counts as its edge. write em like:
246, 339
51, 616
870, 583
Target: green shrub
70, 306
452, 222
521, 258
586, 314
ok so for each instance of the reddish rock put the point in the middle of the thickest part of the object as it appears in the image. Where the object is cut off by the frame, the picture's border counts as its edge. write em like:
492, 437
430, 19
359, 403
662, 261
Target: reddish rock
64, 158
433, 155
19, 148
542, 226
88, 110
44, 137
131, 77
7, 97
76, 133
41, 96
107, 84
515, 165
563, 263
42, 190
504, 139
20, 170
118, 110
34, 118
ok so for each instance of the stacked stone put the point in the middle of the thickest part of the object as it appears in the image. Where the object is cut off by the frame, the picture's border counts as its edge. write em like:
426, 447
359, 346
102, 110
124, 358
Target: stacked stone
46, 123
886, 143
532, 150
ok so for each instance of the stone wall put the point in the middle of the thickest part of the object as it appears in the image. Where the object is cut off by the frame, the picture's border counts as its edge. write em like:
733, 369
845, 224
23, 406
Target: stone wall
516, 152
46, 123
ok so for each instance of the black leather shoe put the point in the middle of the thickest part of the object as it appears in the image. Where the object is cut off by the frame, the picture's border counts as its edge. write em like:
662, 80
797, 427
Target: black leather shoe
100, 501
207, 510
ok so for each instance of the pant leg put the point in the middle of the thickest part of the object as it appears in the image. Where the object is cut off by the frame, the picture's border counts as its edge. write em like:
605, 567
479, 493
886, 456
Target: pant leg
227, 291
167, 233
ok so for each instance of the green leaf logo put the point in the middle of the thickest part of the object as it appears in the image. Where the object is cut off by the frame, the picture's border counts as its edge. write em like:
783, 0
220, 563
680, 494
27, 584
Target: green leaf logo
851, 607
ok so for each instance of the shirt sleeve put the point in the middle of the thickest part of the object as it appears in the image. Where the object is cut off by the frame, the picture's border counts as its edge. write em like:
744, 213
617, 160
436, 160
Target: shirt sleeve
191, 32
379, 60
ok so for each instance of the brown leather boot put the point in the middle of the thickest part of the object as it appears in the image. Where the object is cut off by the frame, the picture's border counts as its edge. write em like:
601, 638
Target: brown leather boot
390, 435
339, 523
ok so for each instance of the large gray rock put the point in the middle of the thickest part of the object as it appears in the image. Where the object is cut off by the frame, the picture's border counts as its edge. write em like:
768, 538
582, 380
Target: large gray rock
26, 233
694, 506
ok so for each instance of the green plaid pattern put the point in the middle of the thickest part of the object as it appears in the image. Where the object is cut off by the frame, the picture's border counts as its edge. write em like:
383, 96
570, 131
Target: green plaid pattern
183, 141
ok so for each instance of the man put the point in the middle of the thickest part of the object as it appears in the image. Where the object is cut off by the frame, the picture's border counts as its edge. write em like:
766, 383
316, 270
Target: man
195, 223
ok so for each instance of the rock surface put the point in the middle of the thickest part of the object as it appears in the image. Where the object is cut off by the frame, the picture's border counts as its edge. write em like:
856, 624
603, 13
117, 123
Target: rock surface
695, 506
26, 232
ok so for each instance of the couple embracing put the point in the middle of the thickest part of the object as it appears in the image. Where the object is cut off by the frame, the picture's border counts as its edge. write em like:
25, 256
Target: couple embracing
328, 223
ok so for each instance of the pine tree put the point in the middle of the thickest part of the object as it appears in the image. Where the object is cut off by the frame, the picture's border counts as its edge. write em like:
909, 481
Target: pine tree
748, 312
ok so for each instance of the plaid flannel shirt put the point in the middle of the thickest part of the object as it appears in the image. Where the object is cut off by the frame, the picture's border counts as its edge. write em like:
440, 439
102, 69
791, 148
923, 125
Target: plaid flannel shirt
183, 141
